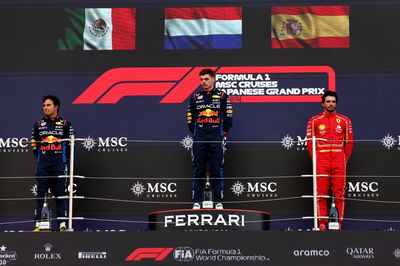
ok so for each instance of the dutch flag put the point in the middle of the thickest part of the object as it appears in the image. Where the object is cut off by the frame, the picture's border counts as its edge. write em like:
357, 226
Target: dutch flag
203, 28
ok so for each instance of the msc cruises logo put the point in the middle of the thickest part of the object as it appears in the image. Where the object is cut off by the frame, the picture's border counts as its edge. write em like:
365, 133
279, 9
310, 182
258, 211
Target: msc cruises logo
388, 141
155, 189
106, 144
14, 145
288, 142
187, 142
255, 189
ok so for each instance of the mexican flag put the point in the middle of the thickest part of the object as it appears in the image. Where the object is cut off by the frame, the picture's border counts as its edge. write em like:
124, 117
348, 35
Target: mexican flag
99, 29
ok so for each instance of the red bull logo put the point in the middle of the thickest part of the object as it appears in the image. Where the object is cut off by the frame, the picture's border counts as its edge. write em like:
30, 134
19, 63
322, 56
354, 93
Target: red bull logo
51, 143
208, 113
208, 120
50, 139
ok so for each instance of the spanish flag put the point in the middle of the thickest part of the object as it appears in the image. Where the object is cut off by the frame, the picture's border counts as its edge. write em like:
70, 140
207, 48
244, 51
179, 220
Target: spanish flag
310, 27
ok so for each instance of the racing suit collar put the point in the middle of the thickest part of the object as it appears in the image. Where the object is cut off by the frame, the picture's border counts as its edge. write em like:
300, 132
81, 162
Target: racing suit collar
329, 114
208, 92
51, 119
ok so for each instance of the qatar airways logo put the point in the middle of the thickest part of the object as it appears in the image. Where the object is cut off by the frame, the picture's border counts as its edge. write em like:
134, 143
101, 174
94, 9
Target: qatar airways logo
361, 252
242, 84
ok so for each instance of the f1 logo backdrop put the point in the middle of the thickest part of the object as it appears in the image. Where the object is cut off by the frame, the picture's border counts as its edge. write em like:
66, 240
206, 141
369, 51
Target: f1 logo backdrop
243, 84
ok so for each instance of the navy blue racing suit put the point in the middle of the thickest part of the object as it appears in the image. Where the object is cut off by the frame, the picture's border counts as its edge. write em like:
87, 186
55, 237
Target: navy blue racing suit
52, 157
209, 118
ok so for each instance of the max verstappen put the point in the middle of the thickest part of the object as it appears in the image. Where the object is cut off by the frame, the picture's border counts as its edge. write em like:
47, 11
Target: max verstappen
332, 154
52, 157
209, 118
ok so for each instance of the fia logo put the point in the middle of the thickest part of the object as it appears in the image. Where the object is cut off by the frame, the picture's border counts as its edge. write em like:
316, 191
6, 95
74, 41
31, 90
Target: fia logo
183, 254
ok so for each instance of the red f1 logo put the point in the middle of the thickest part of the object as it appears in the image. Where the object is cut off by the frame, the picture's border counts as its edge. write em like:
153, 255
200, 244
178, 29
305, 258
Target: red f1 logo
149, 253
177, 83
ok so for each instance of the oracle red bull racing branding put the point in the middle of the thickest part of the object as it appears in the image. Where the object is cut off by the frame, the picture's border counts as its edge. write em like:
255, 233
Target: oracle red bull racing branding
51, 143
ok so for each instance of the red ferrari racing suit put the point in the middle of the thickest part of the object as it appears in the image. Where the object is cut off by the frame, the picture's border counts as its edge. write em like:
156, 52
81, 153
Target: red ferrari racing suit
332, 156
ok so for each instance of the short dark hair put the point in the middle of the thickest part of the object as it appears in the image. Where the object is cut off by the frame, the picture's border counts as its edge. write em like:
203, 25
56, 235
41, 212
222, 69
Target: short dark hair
54, 99
207, 71
330, 93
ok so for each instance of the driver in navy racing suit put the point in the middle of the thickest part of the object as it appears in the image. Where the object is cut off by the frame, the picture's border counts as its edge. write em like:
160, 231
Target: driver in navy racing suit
52, 157
209, 118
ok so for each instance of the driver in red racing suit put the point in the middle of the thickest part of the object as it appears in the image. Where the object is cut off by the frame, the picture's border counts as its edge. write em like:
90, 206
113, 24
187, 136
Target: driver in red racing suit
332, 154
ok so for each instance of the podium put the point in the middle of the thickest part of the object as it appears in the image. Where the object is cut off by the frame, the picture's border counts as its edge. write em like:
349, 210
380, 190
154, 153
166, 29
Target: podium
209, 220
